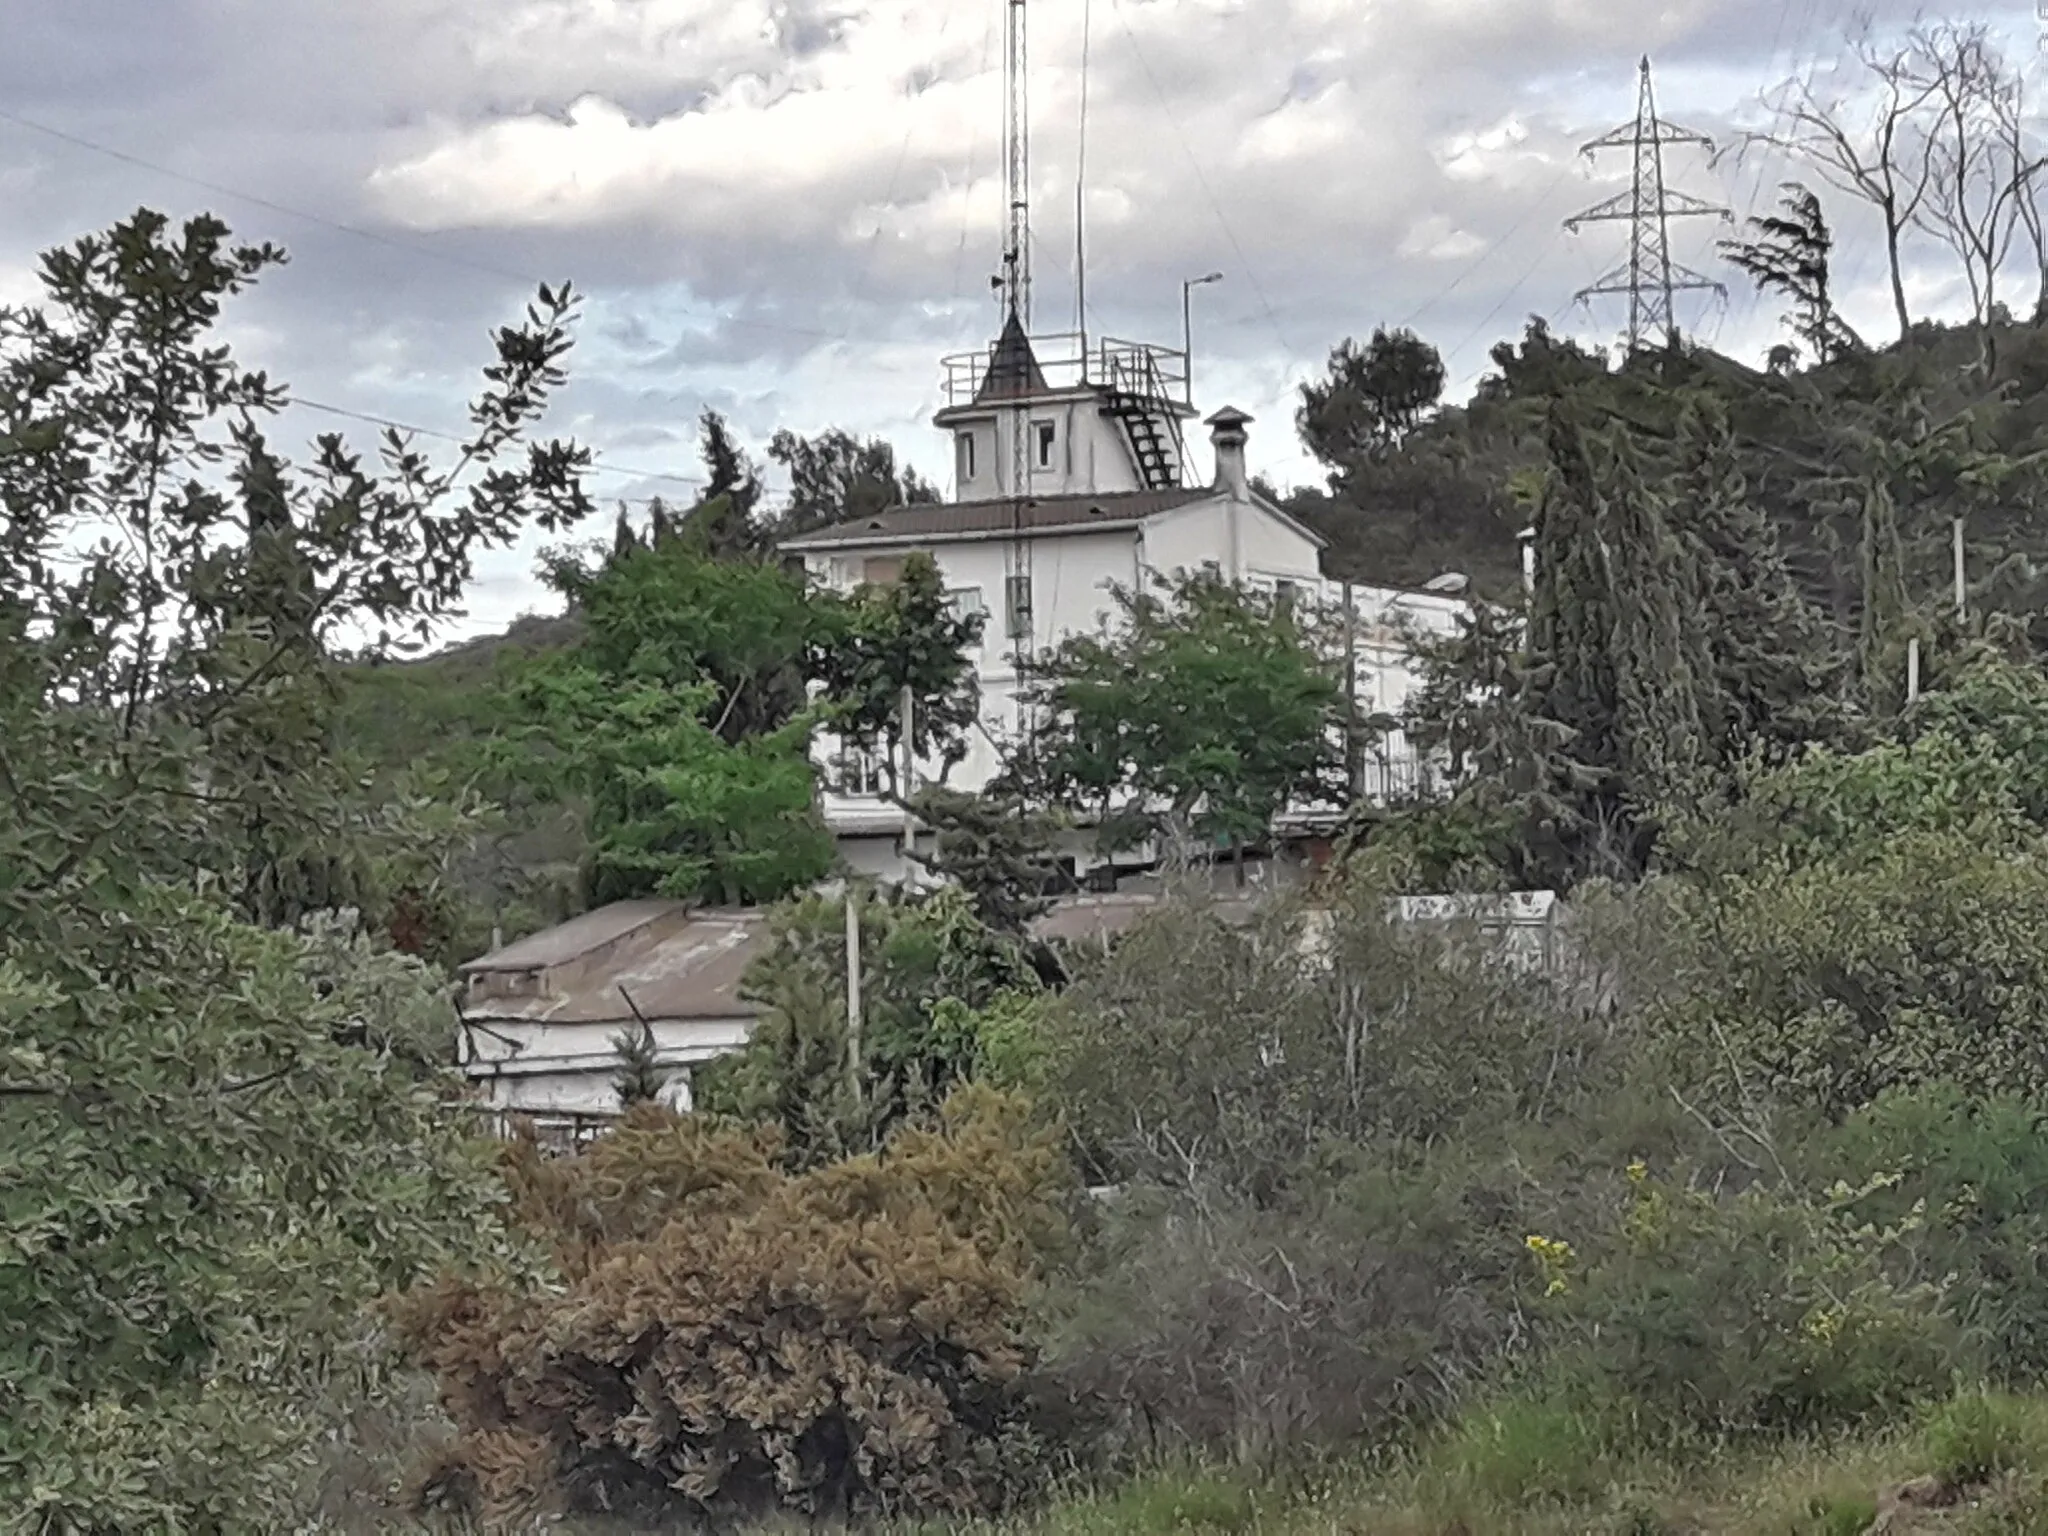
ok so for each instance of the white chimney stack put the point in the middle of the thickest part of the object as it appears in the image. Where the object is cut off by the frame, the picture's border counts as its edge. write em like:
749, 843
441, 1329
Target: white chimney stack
1227, 435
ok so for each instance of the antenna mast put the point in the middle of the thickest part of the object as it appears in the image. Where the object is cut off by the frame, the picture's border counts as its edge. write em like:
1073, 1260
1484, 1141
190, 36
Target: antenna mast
1017, 164
1650, 277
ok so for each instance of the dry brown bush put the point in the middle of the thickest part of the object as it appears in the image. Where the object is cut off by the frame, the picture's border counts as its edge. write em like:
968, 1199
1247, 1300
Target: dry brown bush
727, 1337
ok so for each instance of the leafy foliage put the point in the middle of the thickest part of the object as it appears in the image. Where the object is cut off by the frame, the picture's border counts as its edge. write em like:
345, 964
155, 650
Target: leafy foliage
927, 966
224, 1140
1196, 720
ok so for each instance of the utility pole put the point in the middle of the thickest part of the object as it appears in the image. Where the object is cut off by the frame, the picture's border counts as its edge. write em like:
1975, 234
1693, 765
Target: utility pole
1649, 277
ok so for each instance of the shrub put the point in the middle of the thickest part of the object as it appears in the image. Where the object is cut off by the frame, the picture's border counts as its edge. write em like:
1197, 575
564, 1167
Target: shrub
730, 1337
1976, 1435
1975, 1168
1757, 1312
1832, 983
1256, 1335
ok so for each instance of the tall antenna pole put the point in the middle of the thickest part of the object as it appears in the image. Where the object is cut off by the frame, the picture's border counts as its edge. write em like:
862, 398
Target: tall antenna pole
1017, 163
1080, 198
1650, 277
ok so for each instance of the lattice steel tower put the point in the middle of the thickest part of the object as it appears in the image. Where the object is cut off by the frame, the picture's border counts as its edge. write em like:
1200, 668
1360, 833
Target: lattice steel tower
1650, 277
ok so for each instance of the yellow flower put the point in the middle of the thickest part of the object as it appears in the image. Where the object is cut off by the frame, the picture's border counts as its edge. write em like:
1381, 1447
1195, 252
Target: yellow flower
1638, 1171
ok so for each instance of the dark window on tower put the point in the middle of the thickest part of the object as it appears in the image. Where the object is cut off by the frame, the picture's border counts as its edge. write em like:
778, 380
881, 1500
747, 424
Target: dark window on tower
1048, 434
963, 461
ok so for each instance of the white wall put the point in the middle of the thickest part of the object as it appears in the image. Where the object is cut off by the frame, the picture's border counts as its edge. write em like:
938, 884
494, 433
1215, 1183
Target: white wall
567, 1069
1091, 451
1245, 541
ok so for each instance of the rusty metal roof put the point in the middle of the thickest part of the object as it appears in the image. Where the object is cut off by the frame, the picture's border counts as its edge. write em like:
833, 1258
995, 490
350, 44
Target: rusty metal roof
1038, 514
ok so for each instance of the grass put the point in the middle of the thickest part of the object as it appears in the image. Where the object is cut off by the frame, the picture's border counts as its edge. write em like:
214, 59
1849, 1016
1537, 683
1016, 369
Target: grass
1537, 1469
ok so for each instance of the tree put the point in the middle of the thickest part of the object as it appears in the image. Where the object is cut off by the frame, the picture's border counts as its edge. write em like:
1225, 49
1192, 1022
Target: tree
1979, 159
1790, 255
895, 638
1617, 642
1370, 400
835, 478
683, 717
1865, 139
727, 469
223, 1139
639, 1078
1194, 720
1778, 674
928, 966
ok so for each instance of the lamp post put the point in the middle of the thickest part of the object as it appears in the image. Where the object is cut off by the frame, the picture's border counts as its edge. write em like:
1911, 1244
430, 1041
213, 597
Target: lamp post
1187, 327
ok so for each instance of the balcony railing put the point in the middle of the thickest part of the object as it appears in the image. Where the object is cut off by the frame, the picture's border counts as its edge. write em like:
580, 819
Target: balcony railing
1068, 361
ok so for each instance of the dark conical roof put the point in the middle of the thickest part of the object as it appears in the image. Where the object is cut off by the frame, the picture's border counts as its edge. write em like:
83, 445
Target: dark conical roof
1013, 369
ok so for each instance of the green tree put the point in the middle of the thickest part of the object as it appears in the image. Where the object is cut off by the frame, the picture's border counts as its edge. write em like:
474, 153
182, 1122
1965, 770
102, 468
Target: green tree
835, 477
223, 1140
1616, 641
928, 966
889, 638
1779, 673
1371, 398
1194, 720
1790, 255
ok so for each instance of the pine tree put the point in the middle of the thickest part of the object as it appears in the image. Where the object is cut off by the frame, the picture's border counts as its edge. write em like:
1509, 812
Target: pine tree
639, 1078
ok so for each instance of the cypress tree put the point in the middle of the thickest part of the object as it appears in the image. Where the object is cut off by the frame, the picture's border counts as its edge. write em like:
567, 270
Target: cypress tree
1777, 670
1617, 640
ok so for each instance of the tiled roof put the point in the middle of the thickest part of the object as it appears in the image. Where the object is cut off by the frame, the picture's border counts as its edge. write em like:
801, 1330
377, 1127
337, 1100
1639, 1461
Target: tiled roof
1039, 514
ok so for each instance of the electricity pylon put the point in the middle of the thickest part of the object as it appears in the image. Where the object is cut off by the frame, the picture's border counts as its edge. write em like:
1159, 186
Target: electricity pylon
1650, 277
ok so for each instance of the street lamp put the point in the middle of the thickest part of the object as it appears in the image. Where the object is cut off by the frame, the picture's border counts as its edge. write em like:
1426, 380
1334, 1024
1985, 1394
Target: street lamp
1187, 327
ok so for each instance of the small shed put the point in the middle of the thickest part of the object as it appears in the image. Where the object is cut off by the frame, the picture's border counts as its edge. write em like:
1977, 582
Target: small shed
540, 1017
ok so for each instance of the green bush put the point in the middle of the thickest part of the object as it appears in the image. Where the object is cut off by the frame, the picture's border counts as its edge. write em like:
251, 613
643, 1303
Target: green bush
1975, 1169
1976, 1435
1753, 1313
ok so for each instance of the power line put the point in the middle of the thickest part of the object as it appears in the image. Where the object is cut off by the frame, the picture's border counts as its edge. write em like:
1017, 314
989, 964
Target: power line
1195, 163
341, 227
1487, 254
452, 437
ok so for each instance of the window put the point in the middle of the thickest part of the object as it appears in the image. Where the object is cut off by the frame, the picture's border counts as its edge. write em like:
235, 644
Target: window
855, 772
963, 457
882, 570
1047, 435
1285, 595
965, 602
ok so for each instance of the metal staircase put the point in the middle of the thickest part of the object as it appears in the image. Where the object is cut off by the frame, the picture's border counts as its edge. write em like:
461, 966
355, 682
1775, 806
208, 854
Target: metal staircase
1135, 393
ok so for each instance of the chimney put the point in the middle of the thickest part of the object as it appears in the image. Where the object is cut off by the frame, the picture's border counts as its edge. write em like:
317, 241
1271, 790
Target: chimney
1227, 436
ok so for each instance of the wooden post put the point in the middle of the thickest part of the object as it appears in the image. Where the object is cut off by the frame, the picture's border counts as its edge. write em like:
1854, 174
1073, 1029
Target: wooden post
1913, 670
853, 1055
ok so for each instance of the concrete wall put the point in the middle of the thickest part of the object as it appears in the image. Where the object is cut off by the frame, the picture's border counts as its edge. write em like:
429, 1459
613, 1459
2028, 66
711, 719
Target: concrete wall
567, 1069
1091, 452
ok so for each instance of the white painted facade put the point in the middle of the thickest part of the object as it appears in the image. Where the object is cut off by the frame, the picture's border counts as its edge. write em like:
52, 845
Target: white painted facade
1087, 522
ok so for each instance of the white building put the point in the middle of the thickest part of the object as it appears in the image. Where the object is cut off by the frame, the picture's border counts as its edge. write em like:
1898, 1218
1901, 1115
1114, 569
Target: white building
1073, 476
540, 1018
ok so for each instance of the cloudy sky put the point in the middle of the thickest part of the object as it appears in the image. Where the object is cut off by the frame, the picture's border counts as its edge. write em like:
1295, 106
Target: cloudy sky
788, 210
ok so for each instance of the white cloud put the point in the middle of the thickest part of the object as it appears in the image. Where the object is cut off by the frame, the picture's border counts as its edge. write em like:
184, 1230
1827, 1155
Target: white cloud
788, 209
